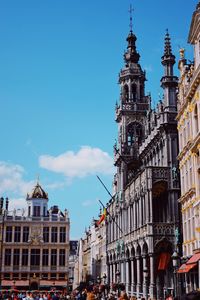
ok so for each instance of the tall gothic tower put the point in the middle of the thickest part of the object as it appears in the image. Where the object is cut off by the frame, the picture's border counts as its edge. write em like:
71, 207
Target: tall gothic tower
130, 114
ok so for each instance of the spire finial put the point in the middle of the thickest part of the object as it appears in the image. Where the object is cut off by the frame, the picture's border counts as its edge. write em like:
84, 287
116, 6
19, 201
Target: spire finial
38, 178
167, 50
131, 17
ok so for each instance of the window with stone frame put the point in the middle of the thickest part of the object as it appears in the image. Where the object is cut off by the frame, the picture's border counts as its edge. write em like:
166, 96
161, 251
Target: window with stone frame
7, 259
54, 234
16, 255
17, 234
6, 276
61, 276
36, 211
45, 257
53, 257
134, 133
46, 234
24, 257
24, 276
196, 121
62, 234
8, 234
62, 257
35, 257
25, 234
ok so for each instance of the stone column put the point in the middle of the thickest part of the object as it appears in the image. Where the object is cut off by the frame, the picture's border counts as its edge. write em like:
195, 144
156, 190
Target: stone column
138, 275
114, 271
134, 214
145, 287
133, 285
110, 273
127, 276
152, 277
146, 203
150, 206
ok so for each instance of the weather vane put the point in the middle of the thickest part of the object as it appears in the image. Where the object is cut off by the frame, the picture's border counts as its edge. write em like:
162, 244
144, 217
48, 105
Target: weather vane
131, 17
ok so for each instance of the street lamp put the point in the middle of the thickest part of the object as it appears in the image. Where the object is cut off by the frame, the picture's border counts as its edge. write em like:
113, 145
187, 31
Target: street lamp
175, 263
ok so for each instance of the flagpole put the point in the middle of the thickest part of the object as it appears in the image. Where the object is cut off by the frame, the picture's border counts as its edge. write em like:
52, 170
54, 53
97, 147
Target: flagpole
104, 205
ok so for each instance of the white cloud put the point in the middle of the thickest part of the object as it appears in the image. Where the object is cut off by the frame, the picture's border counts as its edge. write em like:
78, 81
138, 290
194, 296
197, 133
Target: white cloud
18, 204
87, 161
11, 179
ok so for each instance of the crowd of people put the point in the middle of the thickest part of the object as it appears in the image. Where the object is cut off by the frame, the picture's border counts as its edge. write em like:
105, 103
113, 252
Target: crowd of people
85, 294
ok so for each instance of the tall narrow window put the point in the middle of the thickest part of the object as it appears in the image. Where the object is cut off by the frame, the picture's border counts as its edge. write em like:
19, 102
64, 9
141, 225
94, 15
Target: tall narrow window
125, 93
62, 257
8, 234
17, 234
46, 234
35, 257
36, 211
7, 260
53, 257
62, 234
24, 257
196, 119
16, 257
134, 92
25, 234
134, 133
45, 257
54, 234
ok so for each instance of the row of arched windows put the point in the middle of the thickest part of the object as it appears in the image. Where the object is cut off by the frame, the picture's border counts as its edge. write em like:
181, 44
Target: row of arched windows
133, 95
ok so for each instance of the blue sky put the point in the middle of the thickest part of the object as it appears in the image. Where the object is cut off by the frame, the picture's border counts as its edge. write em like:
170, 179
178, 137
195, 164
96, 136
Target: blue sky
59, 65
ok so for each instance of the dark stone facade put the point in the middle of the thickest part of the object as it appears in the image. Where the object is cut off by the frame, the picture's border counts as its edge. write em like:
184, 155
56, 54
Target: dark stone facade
144, 230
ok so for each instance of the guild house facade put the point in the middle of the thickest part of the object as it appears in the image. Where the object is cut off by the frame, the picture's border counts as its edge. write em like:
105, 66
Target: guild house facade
189, 156
34, 249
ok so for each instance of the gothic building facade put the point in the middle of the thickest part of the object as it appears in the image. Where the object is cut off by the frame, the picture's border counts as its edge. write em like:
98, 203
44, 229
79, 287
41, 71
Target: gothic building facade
34, 251
143, 224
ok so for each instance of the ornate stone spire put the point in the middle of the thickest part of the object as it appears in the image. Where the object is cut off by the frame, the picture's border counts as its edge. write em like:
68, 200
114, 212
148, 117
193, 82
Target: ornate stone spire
168, 57
131, 55
169, 82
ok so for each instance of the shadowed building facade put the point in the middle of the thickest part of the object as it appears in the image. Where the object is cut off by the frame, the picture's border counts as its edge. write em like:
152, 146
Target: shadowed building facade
143, 233
34, 247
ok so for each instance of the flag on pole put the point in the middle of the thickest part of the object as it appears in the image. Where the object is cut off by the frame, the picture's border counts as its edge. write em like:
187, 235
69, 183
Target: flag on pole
103, 216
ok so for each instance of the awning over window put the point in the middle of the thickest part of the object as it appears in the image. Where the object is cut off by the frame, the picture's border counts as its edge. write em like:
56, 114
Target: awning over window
164, 260
185, 268
194, 259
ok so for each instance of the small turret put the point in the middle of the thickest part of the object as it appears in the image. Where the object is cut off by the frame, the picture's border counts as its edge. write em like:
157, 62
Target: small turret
168, 59
169, 82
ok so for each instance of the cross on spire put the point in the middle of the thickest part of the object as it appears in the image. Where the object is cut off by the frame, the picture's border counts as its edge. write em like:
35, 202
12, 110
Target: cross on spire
131, 17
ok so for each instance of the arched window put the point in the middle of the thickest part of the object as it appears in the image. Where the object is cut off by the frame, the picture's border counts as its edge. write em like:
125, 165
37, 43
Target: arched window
126, 93
141, 91
134, 92
134, 133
